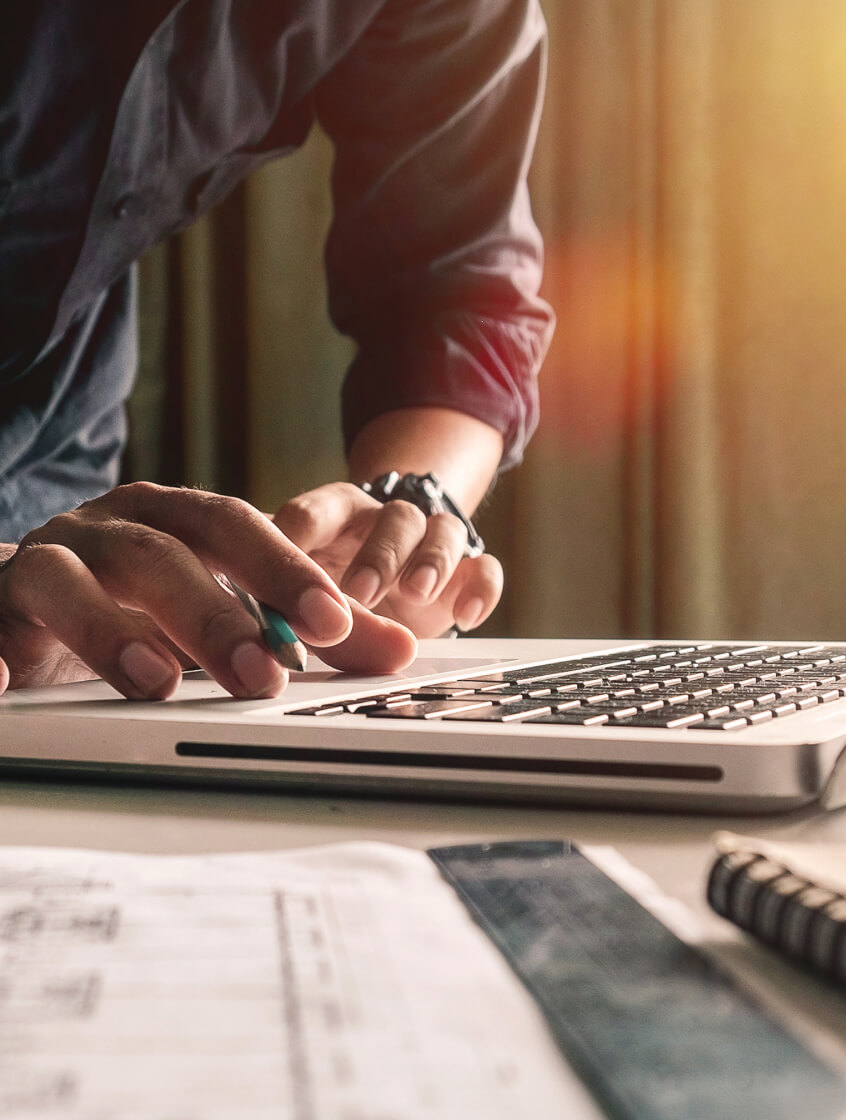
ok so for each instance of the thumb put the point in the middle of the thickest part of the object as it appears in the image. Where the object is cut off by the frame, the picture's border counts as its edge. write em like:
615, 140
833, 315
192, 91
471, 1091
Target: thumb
374, 645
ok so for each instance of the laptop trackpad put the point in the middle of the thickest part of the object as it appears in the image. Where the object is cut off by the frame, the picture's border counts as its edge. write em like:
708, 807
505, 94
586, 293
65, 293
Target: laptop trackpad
321, 683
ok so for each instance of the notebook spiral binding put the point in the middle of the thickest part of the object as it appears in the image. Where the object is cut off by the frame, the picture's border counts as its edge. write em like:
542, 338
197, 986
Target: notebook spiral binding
785, 911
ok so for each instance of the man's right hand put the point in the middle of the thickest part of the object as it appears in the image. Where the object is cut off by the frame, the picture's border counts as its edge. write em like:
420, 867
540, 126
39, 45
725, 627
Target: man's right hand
124, 588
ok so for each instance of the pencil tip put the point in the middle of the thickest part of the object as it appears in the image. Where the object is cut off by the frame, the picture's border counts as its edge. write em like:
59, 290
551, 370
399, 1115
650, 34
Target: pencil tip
293, 655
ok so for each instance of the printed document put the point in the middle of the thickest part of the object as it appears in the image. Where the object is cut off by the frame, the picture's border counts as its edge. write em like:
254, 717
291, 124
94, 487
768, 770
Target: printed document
338, 983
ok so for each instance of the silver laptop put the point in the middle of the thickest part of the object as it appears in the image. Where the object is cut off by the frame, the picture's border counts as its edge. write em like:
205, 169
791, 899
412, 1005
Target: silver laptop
681, 725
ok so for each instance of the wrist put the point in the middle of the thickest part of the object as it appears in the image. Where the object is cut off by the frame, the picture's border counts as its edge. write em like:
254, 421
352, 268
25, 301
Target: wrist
461, 451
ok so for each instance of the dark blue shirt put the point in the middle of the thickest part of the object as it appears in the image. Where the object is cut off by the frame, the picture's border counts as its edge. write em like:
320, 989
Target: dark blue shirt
121, 123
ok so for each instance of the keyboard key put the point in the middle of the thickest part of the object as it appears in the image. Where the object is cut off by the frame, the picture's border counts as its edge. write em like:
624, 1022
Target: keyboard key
649, 705
620, 712
803, 701
499, 713
669, 719
394, 701
567, 705
784, 708
686, 720
758, 696
425, 709
723, 723
327, 710
441, 691
579, 718
826, 695
499, 699
483, 686
718, 712
505, 690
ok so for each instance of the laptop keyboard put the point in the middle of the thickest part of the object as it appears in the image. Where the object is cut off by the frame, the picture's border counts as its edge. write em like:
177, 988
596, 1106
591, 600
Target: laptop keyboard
707, 687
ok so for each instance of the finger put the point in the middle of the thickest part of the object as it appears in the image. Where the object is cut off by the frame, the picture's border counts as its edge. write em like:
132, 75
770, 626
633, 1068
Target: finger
232, 536
4, 676
315, 519
474, 590
150, 570
375, 645
399, 529
47, 585
435, 558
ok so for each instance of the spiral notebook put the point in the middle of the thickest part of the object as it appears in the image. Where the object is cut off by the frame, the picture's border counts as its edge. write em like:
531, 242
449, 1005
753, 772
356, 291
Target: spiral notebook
791, 896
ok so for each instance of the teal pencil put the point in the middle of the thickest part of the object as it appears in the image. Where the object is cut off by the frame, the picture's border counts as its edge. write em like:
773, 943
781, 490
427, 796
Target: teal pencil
287, 647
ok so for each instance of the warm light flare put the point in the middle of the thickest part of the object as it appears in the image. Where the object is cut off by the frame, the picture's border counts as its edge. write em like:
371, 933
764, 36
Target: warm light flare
606, 350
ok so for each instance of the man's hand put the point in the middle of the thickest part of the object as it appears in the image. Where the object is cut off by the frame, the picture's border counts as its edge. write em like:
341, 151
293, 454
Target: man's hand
123, 588
394, 559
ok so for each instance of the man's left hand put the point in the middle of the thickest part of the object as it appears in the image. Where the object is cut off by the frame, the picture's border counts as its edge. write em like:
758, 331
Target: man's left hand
394, 559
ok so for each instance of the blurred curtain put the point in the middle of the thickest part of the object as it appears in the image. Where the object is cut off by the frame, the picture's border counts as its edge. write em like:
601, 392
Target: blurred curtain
240, 366
690, 182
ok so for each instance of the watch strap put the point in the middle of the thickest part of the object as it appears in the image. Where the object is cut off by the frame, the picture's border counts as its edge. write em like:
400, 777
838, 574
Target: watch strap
425, 492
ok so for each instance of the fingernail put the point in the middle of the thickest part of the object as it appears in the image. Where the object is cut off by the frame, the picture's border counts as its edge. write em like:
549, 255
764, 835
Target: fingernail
324, 616
259, 672
364, 585
469, 614
423, 579
147, 670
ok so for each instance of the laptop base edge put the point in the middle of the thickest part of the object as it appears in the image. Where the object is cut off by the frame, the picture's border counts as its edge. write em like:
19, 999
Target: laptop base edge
389, 787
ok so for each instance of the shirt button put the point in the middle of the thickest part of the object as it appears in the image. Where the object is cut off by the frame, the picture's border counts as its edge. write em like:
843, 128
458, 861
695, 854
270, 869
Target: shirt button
125, 206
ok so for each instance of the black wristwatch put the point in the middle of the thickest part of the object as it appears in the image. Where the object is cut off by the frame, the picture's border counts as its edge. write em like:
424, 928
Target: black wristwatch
425, 492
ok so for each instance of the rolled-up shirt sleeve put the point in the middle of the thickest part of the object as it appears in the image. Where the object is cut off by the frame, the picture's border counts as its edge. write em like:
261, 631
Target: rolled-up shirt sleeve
433, 258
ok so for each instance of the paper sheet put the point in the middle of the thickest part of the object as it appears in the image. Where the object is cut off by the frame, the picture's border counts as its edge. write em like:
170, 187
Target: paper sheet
823, 864
339, 983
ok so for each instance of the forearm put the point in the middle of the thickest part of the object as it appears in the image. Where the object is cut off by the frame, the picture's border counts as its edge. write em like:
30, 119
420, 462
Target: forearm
460, 450
433, 259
